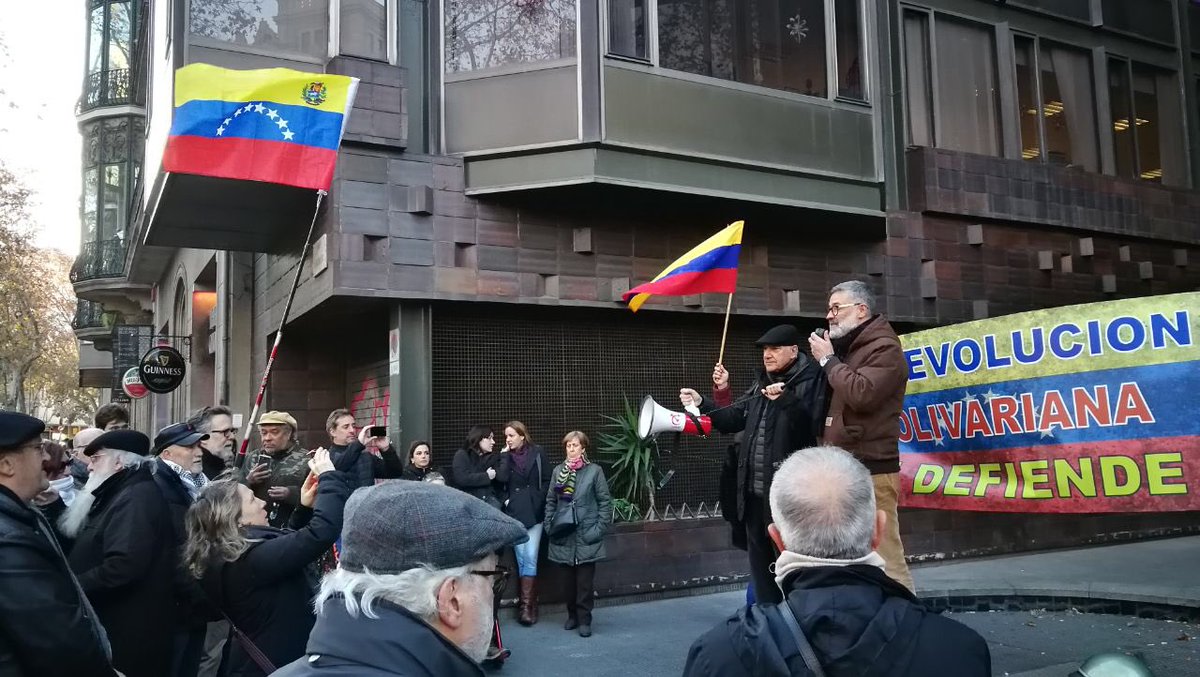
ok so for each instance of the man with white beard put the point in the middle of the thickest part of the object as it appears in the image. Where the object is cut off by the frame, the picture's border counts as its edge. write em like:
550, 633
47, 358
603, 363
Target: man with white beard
122, 552
47, 627
412, 594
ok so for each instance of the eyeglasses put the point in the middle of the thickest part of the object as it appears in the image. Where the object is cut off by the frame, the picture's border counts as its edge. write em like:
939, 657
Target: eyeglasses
835, 308
501, 573
228, 431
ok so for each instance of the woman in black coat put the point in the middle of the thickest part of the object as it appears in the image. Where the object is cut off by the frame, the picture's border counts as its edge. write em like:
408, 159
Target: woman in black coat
263, 578
479, 470
420, 462
528, 479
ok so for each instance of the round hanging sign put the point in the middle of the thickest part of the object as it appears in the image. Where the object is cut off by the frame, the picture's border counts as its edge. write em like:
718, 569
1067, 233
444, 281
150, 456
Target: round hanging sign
162, 369
132, 384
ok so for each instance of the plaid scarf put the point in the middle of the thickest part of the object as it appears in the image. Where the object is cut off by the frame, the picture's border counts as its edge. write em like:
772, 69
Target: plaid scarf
564, 484
194, 482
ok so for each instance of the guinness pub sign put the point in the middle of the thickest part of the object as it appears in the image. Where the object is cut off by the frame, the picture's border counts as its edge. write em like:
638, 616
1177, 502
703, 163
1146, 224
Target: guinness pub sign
162, 369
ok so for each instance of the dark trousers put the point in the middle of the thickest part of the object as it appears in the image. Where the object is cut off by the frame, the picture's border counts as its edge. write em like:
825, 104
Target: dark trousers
579, 589
761, 550
189, 646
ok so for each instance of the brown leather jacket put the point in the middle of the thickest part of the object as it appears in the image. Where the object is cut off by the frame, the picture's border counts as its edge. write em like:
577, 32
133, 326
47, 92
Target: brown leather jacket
868, 384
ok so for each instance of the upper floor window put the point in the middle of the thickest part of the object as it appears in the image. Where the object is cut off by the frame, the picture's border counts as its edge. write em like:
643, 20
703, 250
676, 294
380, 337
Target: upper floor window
483, 34
1057, 103
1147, 123
111, 30
112, 151
779, 44
363, 29
287, 28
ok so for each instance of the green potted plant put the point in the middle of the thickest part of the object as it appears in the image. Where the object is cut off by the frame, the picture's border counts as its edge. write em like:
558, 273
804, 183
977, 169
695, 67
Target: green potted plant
632, 463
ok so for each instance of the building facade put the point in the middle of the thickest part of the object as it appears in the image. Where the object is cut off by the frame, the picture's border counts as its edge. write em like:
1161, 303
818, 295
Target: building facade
511, 168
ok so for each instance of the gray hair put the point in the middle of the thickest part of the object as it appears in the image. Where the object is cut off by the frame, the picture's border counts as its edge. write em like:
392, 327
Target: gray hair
823, 503
201, 419
414, 590
858, 292
127, 459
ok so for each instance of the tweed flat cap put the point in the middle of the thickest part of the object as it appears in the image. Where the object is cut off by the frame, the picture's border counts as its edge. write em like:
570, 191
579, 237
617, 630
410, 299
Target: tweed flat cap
278, 418
16, 429
781, 335
399, 525
121, 440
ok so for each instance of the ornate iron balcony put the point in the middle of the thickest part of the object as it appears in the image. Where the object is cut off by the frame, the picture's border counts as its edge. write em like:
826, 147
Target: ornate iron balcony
105, 258
109, 88
88, 315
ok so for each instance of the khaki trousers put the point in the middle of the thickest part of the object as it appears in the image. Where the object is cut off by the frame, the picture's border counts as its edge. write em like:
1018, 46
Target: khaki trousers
887, 494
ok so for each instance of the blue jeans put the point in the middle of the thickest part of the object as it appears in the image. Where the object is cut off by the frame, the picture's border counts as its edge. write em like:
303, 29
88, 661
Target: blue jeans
527, 552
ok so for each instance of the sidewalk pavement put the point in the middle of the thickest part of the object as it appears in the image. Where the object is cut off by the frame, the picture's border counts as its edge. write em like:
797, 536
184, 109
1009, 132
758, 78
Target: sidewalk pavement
1161, 571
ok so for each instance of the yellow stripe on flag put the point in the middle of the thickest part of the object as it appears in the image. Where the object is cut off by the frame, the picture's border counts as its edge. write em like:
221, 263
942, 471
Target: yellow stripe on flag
205, 82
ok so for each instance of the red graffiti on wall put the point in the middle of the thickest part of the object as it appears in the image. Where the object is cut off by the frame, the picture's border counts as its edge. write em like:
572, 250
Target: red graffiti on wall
370, 405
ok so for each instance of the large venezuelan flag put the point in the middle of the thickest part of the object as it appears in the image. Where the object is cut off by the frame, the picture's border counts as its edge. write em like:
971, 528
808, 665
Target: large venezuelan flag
710, 266
275, 125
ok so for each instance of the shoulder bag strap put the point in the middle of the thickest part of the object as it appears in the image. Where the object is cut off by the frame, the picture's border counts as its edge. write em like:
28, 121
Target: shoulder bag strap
260, 659
806, 651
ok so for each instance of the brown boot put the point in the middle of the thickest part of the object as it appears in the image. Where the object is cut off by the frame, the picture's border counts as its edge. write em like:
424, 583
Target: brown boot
524, 616
533, 601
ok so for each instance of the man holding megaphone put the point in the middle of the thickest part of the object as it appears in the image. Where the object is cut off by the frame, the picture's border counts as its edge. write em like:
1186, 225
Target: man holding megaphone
782, 412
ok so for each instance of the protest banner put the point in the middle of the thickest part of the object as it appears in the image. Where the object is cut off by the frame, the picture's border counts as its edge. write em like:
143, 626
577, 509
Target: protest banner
1080, 409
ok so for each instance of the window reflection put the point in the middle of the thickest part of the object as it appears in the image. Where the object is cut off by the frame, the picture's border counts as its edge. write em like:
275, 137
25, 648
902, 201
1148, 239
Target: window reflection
283, 27
917, 70
850, 56
489, 33
364, 29
1068, 107
627, 28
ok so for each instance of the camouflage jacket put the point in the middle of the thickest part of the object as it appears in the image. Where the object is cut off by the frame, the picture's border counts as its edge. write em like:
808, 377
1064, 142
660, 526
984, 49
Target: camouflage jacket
289, 468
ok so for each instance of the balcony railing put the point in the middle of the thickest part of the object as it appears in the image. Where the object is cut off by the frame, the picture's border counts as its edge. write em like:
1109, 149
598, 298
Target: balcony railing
88, 315
105, 258
110, 88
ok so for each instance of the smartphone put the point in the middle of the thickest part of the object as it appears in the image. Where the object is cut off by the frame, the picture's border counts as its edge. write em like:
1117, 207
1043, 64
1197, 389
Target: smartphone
377, 431
263, 459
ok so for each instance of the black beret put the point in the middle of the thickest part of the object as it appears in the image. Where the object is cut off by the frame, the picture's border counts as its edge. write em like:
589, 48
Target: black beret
17, 429
121, 440
782, 335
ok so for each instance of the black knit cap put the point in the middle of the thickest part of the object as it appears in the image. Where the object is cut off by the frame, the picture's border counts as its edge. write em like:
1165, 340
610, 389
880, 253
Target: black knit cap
16, 429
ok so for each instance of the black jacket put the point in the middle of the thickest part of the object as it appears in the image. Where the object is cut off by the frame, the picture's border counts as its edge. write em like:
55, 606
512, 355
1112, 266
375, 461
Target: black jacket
191, 606
859, 622
527, 491
415, 474
268, 590
470, 475
793, 420
125, 560
45, 630
387, 465
355, 460
213, 465
397, 643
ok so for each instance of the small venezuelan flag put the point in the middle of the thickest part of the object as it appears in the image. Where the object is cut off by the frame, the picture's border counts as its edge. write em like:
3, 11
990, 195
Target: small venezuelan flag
710, 266
275, 125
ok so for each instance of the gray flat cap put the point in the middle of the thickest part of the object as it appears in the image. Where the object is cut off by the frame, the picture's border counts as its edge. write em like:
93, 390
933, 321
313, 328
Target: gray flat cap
400, 525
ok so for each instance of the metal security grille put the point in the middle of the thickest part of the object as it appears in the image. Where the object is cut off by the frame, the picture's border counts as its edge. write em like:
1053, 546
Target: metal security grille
561, 369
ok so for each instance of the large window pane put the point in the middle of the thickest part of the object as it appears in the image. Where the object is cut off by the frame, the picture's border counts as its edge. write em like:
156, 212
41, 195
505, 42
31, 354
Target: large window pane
917, 69
1159, 126
968, 97
1027, 102
114, 201
91, 197
771, 43
1069, 107
489, 33
283, 27
1120, 97
120, 34
364, 29
96, 40
627, 28
850, 57
1150, 18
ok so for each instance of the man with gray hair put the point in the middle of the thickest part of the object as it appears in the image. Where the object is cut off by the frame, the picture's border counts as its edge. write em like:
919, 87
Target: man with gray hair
838, 602
867, 374
123, 553
412, 594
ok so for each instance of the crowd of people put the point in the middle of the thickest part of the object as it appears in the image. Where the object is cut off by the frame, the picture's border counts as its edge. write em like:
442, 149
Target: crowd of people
174, 557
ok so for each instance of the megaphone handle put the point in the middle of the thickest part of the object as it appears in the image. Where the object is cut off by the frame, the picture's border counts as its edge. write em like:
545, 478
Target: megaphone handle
696, 422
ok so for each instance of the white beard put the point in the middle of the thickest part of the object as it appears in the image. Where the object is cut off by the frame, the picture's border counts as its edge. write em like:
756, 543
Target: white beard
477, 646
75, 517
842, 329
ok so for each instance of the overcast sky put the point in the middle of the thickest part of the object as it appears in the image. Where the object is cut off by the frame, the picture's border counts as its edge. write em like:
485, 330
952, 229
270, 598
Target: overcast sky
42, 77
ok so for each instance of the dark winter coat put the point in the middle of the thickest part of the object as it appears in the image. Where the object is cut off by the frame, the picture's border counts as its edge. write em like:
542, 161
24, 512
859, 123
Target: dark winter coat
593, 516
470, 475
397, 643
415, 474
868, 378
859, 622
45, 629
125, 560
191, 607
387, 465
793, 420
213, 465
527, 491
354, 460
267, 592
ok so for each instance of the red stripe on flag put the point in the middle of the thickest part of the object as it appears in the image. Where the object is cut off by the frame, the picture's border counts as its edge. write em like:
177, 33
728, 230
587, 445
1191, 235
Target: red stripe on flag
290, 164
723, 280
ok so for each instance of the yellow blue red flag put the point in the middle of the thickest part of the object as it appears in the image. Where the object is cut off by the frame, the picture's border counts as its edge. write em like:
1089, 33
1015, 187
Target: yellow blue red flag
275, 125
709, 267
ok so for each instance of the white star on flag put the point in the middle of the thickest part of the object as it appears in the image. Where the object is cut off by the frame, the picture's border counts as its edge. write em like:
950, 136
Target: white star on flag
937, 441
237, 112
989, 395
968, 397
282, 123
227, 121
258, 108
220, 131
287, 135
1048, 432
272, 114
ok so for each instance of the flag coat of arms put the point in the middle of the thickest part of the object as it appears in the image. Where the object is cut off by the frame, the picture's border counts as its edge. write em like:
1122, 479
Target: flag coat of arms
709, 267
275, 125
